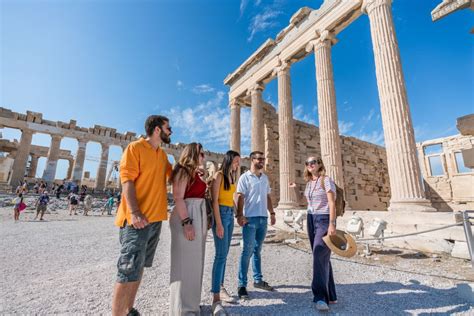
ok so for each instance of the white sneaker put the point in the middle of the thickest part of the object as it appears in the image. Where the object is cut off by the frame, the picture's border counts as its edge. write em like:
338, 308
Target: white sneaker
322, 306
225, 296
218, 309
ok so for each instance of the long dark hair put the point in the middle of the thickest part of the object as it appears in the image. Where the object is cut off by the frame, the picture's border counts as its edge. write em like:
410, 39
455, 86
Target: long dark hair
226, 168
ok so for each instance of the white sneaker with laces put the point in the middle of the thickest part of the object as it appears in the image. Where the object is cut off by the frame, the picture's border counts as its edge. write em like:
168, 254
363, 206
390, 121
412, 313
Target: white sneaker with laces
322, 306
225, 296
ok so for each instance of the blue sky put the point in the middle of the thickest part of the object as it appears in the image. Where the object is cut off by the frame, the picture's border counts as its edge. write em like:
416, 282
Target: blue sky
113, 63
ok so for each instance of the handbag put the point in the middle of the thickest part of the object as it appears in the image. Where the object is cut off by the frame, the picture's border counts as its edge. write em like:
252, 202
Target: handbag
21, 206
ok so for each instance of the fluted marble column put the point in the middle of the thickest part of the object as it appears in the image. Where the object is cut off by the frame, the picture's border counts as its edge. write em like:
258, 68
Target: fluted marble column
258, 128
286, 138
328, 127
53, 155
21, 158
78, 167
33, 166
407, 192
69, 168
102, 169
235, 126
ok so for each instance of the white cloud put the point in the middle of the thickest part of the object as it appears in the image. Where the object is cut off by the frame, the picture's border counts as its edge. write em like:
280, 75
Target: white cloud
263, 21
345, 127
301, 115
375, 137
203, 88
243, 5
179, 84
209, 124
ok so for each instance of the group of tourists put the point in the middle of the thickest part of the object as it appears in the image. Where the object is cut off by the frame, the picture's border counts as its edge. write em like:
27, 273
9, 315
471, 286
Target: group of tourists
73, 199
201, 205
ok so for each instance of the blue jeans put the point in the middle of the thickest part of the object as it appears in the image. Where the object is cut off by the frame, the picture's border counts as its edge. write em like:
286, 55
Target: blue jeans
253, 234
222, 247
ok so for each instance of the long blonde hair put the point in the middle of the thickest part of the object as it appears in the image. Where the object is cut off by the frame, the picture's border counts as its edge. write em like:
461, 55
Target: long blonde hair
188, 163
308, 176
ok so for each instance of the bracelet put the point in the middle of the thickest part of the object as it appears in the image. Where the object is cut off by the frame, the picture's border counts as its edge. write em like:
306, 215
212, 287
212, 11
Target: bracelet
184, 221
189, 222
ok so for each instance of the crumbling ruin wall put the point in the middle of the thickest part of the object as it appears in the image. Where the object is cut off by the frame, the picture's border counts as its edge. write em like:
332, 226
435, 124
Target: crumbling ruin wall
366, 181
448, 184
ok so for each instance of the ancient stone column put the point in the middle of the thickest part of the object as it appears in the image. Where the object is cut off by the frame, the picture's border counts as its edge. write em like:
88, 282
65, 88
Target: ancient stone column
79, 161
328, 126
53, 155
258, 131
21, 158
286, 138
69, 169
235, 126
102, 169
403, 167
33, 166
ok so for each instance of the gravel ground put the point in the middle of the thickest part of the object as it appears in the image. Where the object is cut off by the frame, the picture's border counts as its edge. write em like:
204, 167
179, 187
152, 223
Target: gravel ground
66, 265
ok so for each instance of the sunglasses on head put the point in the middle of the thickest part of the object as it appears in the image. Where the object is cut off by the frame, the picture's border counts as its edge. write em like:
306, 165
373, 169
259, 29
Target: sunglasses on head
312, 162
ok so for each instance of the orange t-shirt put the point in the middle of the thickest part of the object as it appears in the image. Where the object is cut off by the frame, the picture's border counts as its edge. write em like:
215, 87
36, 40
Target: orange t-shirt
148, 169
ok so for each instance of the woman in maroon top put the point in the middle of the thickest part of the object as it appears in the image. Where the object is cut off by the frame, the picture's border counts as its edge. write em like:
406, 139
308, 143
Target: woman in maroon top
188, 225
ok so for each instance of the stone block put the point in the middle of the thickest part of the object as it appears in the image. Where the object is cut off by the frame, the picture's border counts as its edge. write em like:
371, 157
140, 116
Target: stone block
460, 250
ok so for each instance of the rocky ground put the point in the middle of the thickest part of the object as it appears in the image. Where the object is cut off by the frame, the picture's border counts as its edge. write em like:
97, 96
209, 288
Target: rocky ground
66, 265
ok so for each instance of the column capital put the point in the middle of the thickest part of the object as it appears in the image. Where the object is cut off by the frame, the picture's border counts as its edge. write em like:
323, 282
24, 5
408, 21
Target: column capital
56, 137
105, 145
82, 140
283, 68
369, 5
256, 87
234, 103
27, 131
325, 39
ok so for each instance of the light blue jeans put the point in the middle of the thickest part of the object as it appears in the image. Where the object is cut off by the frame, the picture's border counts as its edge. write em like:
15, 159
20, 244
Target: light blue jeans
222, 247
253, 235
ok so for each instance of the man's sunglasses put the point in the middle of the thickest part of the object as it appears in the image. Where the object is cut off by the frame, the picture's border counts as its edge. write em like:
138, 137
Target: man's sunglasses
260, 159
312, 162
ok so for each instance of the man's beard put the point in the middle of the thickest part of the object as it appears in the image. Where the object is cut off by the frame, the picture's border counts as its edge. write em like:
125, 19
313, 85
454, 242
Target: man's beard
165, 138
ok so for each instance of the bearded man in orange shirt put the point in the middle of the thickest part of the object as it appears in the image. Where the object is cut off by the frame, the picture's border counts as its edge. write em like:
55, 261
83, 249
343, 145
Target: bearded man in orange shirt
144, 170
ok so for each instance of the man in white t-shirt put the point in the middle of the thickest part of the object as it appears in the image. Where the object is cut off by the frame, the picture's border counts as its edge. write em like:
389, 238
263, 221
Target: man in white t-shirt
253, 206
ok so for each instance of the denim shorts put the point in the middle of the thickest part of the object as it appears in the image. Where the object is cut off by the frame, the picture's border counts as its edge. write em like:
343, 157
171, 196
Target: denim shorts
137, 251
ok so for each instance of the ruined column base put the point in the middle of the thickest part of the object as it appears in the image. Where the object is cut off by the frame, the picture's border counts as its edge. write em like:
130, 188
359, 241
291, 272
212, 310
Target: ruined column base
412, 205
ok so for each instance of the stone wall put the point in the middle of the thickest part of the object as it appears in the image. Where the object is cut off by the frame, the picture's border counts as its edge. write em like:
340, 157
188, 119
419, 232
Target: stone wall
448, 185
365, 165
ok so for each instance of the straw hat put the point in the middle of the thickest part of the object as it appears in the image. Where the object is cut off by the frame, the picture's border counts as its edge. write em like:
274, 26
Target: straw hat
341, 244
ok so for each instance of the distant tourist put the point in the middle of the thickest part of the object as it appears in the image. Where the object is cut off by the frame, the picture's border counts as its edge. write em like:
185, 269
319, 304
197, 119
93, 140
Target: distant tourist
87, 204
144, 169
58, 190
320, 193
36, 187
42, 205
108, 205
188, 225
223, 189
42, 187
254, 202
18, 206
73, 202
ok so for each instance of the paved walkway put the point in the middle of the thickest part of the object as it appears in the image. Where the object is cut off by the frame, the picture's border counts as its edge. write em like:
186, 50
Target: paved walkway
67, 265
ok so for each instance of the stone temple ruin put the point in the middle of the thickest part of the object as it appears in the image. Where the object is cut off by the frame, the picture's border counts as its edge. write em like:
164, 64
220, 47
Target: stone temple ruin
420, 184
21, 158
405, 178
